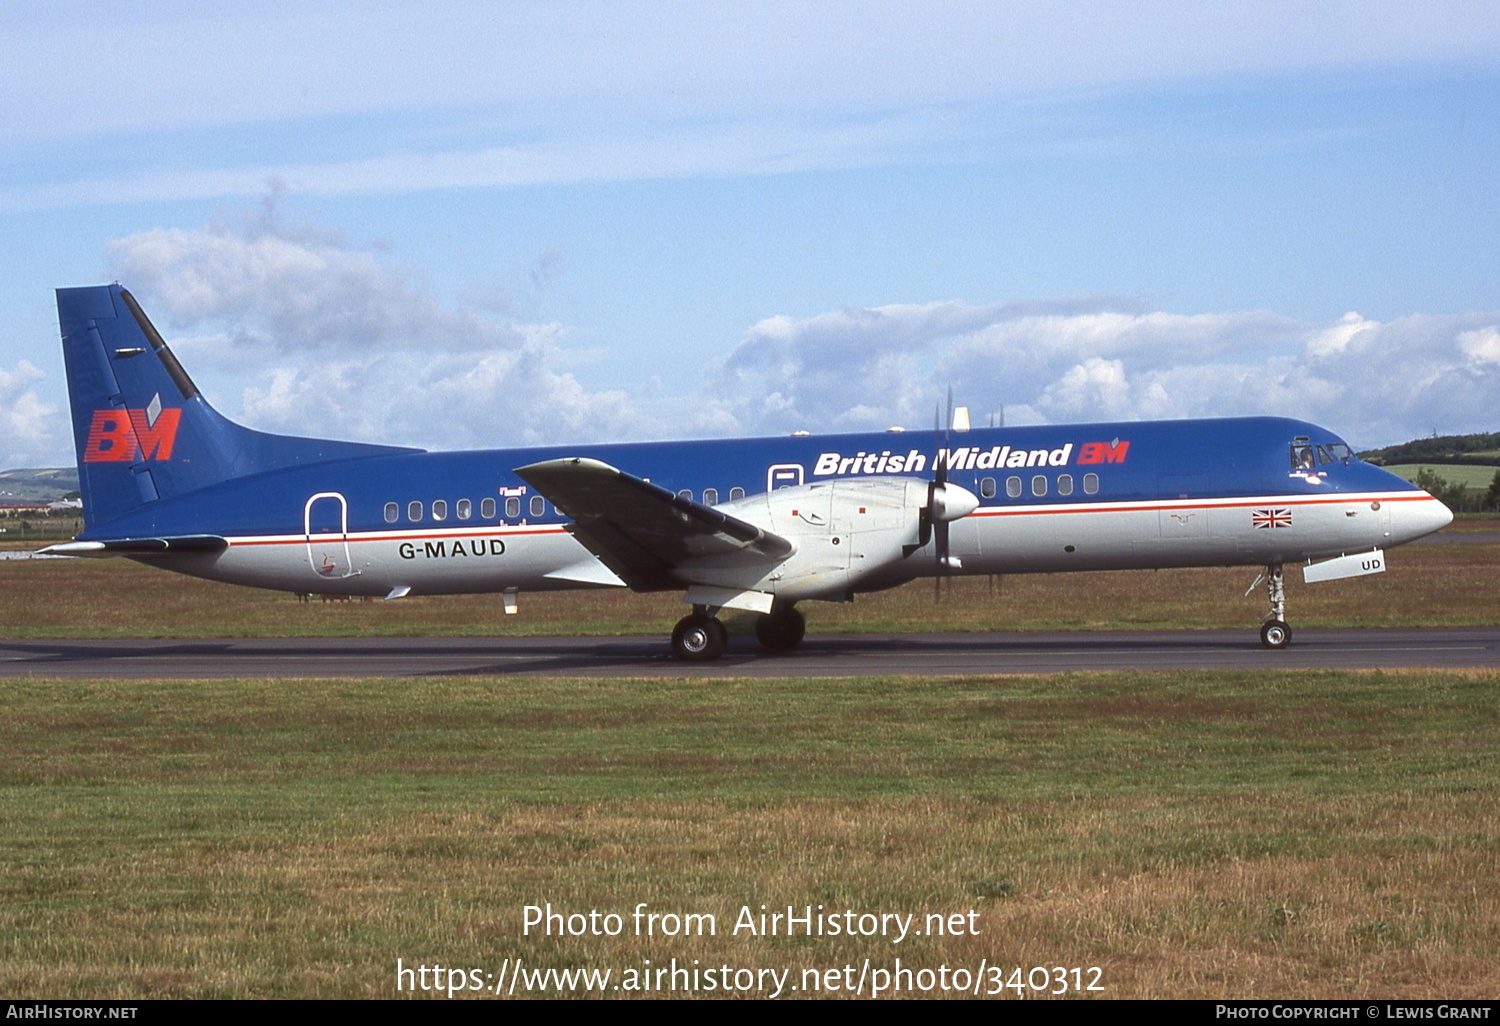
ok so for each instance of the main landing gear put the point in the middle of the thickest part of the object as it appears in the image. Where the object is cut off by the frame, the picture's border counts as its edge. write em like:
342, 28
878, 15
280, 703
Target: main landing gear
1275, 633
700, 637
781, 629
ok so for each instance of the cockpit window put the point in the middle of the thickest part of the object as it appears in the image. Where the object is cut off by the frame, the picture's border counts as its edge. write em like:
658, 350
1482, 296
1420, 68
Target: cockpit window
1307, 455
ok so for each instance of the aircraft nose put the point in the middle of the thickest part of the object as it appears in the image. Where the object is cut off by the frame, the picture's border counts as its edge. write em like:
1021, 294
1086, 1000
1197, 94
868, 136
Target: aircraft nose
1412, 520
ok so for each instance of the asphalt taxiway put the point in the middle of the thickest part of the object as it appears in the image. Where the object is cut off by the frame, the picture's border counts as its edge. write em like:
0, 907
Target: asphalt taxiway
821, 655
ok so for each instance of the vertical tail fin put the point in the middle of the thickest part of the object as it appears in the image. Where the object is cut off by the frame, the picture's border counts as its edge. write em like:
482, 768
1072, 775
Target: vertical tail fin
141, 428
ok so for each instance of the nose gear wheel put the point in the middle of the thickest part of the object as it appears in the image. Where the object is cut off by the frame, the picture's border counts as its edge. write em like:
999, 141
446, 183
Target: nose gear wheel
1275, 633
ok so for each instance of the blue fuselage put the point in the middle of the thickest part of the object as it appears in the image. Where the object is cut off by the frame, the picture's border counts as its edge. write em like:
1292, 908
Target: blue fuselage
1090, 496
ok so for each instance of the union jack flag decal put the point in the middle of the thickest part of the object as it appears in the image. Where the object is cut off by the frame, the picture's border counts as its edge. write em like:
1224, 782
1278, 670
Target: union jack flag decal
1265, 519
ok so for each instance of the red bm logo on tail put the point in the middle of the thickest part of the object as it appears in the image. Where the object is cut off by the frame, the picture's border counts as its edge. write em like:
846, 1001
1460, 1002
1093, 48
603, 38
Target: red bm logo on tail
124, 436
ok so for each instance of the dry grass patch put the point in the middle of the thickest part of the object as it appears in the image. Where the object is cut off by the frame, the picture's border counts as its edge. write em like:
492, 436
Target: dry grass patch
1212, 835
1399, 904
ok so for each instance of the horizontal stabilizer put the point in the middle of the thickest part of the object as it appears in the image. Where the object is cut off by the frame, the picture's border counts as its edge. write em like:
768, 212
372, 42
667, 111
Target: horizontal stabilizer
181, 545
642, 532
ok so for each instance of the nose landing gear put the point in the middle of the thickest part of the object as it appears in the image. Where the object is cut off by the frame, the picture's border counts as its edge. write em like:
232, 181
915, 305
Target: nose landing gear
1275, 633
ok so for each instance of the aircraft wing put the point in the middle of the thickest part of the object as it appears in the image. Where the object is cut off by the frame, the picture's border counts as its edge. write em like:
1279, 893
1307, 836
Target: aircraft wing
643, 532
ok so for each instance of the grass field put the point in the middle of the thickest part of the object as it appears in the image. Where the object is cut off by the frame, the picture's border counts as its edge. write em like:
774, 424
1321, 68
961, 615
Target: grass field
1477, 478
1192, 835
1426, 584
1201, 835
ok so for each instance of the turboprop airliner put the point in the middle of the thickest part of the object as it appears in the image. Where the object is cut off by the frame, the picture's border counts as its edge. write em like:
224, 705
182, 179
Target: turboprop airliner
760, 524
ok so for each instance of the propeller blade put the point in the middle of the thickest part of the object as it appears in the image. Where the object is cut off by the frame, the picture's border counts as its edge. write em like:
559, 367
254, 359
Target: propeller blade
930, 523
936, 502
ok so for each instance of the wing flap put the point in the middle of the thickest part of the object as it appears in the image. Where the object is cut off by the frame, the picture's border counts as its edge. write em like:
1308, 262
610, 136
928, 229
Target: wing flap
643, 532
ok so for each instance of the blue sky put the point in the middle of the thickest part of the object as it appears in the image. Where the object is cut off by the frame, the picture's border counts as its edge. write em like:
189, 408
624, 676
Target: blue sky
457, 225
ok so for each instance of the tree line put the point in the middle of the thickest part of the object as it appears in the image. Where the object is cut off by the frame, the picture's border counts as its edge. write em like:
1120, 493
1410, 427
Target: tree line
1458, 498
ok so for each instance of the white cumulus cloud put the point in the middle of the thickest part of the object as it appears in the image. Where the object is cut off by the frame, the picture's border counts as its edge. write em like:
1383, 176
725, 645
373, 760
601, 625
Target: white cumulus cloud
31, 428
1105, 360
321, 337
1481, 346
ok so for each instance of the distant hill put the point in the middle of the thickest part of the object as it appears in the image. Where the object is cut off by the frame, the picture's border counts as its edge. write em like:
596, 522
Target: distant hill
45, 484
1465, 450
1462, 470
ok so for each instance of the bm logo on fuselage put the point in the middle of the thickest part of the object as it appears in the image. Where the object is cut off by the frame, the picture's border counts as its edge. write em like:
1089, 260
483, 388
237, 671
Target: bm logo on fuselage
125, 436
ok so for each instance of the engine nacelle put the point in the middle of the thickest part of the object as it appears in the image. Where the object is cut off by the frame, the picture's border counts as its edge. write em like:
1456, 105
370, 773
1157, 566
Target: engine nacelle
846, 532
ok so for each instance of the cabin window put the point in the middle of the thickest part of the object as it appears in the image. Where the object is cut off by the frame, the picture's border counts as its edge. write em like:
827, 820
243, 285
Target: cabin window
686, 493
414, 511
1013, 487
1039, 485
987, 487
710, 496
512, 507
1091, 484
439, 509
736, 493
464, 508
487, 509
538, 505
1065, 484
392, 512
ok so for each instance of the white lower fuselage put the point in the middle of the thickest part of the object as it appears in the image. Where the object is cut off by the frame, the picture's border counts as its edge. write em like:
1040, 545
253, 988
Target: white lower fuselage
1251, 530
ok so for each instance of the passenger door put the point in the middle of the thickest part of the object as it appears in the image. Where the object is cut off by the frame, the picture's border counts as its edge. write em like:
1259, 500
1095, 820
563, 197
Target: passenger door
325, 521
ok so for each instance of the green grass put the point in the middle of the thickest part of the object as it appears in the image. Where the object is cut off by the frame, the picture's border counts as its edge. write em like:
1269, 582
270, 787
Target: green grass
1476, 478
1210, 834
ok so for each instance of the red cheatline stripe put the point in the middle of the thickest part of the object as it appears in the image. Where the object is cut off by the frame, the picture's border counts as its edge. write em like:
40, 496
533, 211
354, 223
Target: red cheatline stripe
1133, 508
412, 537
